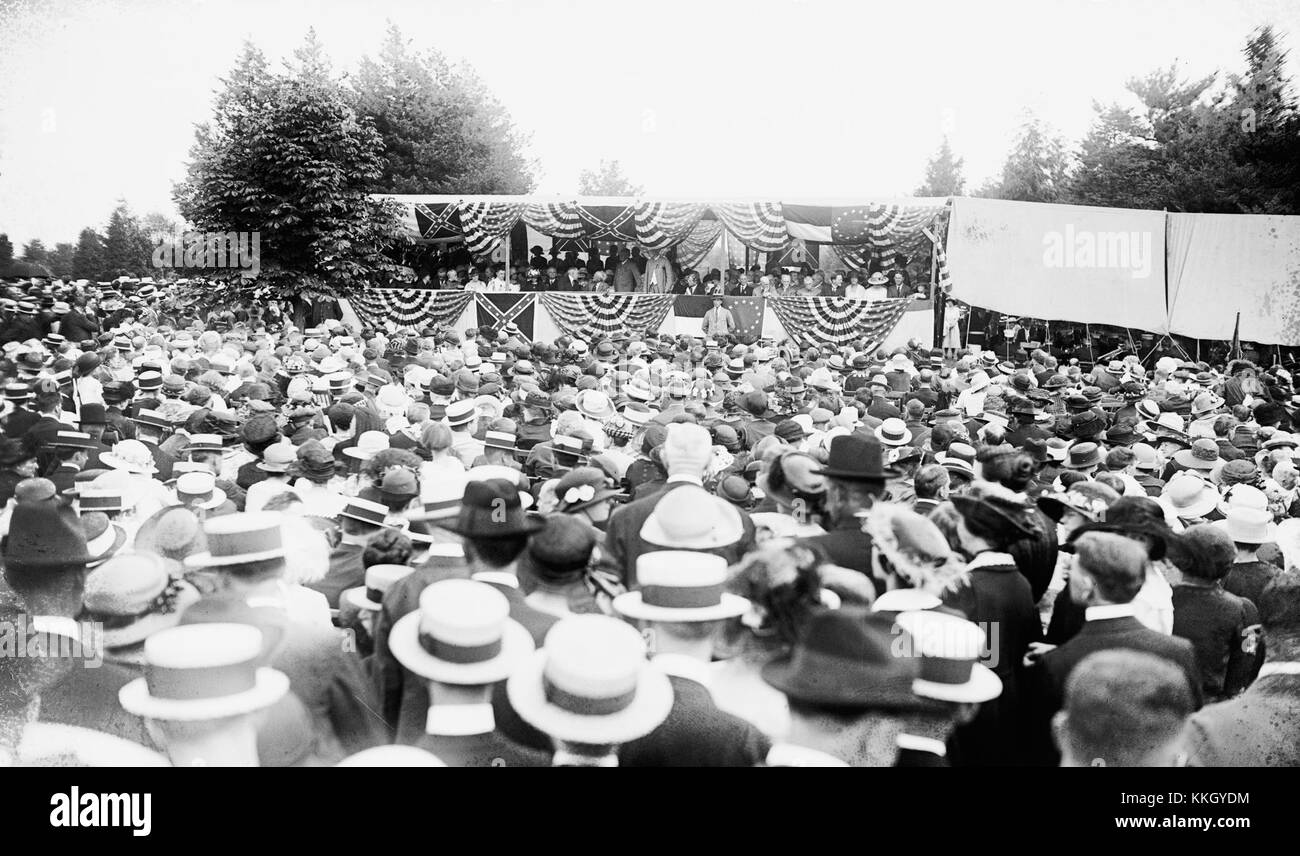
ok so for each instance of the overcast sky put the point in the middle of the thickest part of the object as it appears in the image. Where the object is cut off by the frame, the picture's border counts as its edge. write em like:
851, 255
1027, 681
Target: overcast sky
793, 98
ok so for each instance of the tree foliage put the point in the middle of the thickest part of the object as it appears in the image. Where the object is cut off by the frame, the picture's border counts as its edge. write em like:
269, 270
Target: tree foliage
607, 180
943, 174
443, 130
88, 257
1036, 169
287, 156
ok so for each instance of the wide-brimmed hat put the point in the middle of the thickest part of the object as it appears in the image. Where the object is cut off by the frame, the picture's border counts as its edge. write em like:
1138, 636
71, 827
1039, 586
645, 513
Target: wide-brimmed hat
1007, 515
1249, 525
1206, 402
949, 649
591, 683
594, 404
133, 596
461, 634
583, 487
368, 445
691, 518
846, 659
1203, 455
278, 458
379, 579
855, 458
234, 539
43, 537
491, 508
203, 671
680, 585
131, 456
1187, 496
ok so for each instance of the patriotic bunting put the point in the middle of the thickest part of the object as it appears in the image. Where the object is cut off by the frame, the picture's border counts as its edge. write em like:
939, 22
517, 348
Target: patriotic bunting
586, 316
879, 225
499, 309
556, 219
386, 308
747, 312
660, 225
838, 320
758, 225
485, 223
695, 246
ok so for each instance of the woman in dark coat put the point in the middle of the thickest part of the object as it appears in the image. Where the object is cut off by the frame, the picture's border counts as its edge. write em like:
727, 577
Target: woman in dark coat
996, 596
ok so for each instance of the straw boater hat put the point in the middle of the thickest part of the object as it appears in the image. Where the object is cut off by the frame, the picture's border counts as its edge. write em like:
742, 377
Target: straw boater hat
234, 539
203, 671
462, 634
392, 756
103, 537
199, 490
379, 579
949, 649
591, 683
680, 585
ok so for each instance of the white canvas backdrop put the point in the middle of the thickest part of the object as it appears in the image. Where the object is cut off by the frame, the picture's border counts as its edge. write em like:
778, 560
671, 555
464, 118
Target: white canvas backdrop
1060, 262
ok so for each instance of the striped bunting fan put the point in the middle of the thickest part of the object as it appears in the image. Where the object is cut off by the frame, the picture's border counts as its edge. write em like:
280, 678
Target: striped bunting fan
692, 250
485, 222
839, 320
556, 219
409, 307
759, 225
587, 316
660, 225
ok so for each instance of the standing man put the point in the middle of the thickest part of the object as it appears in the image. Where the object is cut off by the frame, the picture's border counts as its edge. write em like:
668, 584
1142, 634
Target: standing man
718, 321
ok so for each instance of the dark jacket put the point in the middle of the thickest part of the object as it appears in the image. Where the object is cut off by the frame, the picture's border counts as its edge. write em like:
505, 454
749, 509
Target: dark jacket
1248, 579
1259, 728
78, 327
493, 749
846, 545
1047, 678
696, 734
1223, 628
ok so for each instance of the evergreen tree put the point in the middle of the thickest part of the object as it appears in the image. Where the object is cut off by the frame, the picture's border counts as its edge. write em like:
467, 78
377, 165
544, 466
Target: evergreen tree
943, 174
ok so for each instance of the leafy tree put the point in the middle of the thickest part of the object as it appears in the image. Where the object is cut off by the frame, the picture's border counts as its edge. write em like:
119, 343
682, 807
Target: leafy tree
126, 249
88, 257
35, 252
443, 130
60, 260
1265, 128
943, 174
288, 157
1037, 168
6, 250
607, 180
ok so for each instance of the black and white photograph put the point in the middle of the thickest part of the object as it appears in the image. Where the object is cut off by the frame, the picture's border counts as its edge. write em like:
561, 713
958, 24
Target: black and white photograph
568, 383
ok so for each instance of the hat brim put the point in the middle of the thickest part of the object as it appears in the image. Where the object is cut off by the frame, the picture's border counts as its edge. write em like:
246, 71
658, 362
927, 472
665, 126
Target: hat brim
631, 605
357, 597
152, 622
119, 539
527, 526
830, 687
207, 560
600, 496
903, 441
983, 686
218, 497
109, 459
270, 687
651, 704
1206, 503
1184, 459
857, 475
1083, 465
724, 533
1269, 535
404, 643
261, 465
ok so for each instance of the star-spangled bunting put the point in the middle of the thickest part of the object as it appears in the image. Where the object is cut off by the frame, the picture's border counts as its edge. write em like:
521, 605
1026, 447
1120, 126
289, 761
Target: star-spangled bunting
587, 316
839, 320
386, 308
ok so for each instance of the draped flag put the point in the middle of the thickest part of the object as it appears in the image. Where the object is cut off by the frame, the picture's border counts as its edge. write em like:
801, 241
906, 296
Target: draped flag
758, 225
660, 225
437, 220
555, 219
587, 316
747, 312
484, 223
878, 225
409, 307
496, 310
593, 222
838, 320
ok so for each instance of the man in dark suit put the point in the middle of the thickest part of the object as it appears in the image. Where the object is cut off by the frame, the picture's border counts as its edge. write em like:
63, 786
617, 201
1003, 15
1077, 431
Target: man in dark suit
78, 325
45, 571
1260, 727
460, 726
696, 733
855, 478
491, 552
1108, 572
686, 452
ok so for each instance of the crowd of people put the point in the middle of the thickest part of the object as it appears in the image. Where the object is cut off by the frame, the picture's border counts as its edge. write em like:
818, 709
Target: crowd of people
228, 540
625, 270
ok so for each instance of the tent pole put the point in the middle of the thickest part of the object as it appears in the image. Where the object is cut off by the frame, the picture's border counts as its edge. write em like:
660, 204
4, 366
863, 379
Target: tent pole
508, 257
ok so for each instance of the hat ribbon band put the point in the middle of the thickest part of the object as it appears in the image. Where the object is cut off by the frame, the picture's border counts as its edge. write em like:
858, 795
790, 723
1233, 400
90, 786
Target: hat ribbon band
682, 597
450, 653
585, 705
946, 670
374, 595
185, 496
201, 683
